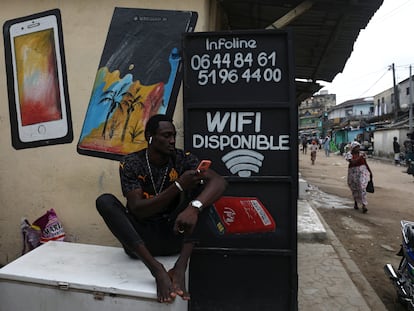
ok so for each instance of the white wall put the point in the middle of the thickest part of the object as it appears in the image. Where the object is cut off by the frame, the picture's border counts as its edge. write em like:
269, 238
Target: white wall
383, 140
404, 97
388, 106
34, 180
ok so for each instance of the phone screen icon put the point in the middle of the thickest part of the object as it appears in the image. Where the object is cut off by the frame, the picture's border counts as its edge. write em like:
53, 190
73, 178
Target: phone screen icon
37, 77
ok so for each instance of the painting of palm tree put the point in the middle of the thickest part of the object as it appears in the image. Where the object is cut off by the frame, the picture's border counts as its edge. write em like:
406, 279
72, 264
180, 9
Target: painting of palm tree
132, 100
114, 97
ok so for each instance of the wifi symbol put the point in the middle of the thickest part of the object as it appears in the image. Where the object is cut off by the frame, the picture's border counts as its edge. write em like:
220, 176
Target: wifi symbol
243, 162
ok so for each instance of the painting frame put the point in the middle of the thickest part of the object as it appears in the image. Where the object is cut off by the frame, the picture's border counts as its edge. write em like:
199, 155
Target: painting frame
139, 75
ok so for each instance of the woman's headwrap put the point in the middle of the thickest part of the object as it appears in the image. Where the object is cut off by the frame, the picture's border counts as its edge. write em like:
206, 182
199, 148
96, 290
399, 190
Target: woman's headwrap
355, 144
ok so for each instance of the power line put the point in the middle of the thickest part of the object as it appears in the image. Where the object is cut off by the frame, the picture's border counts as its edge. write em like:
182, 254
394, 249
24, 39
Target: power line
391, 13
375, 83
402, 71
405, 66
382, 76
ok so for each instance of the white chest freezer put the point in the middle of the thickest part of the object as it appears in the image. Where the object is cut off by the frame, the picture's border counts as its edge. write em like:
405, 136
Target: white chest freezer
70, 276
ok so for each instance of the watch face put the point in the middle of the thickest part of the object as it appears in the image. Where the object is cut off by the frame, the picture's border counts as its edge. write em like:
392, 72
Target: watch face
197, 204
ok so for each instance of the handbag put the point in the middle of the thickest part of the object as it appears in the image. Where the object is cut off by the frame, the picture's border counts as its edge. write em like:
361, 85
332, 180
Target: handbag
370, 186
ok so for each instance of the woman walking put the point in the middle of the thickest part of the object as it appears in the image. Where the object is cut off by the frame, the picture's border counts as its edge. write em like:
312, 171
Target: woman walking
359, 174
327, 145
313, 148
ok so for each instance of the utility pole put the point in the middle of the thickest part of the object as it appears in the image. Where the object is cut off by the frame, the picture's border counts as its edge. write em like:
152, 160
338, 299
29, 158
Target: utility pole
396, 96
410, 112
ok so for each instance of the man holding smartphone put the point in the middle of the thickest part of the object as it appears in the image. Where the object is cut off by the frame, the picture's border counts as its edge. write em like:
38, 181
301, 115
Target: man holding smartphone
165, 195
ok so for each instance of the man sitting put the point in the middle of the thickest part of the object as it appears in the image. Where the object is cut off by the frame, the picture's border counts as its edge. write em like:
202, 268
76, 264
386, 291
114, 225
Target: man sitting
165, 194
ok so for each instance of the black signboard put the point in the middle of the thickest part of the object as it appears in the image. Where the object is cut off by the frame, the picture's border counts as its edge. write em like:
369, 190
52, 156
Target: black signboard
244, 142
250, 66
240, 113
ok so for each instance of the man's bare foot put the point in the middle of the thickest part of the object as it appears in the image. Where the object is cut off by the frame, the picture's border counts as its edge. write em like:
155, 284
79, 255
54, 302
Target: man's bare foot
165, 289
178, 282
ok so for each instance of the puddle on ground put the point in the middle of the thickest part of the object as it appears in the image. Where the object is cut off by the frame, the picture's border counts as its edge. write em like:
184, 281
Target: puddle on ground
321, 199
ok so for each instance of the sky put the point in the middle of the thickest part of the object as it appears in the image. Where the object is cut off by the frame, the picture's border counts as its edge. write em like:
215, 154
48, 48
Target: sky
387, 39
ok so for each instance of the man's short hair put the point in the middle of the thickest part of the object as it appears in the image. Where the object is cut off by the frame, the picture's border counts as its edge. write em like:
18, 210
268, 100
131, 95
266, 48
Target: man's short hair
154, 123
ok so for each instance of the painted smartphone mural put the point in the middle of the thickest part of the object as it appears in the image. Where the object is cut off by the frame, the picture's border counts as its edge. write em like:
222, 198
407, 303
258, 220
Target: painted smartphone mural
37, 83
139, 75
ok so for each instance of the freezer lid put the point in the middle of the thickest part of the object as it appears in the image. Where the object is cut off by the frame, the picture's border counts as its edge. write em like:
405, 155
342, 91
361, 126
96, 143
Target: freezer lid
87, 267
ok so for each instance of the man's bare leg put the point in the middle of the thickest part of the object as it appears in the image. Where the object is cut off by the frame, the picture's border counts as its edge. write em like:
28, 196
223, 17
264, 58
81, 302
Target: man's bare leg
177, 273
165, 289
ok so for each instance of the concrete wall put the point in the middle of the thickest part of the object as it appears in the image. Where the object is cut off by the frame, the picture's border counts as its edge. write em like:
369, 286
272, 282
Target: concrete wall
37, 179
384, 102
404, 93
383, 140
355, 110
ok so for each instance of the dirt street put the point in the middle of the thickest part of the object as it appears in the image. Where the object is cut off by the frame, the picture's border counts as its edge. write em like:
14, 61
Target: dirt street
371, 239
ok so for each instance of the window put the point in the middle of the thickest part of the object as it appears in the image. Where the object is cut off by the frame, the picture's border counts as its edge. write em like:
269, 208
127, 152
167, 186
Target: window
407, 91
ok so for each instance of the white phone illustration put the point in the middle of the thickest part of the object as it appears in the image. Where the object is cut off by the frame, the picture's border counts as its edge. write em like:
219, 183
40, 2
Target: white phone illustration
38, 79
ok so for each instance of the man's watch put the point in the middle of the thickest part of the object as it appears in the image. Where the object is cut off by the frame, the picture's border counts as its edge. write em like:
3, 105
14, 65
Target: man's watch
197, 204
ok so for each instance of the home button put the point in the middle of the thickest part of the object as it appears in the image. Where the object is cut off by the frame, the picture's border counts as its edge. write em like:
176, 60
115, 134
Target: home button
41, 129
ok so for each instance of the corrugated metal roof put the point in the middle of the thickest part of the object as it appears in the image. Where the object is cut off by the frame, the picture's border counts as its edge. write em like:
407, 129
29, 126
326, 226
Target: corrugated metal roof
324, 32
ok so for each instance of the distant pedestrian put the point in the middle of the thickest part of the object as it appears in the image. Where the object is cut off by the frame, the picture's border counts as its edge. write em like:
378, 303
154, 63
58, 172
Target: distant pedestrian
359, 174
326, 145
409, 147
313, 149
397, 150
304, 145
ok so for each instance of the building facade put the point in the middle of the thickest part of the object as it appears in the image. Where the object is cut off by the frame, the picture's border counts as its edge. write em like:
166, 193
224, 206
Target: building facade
312, 111
385, 101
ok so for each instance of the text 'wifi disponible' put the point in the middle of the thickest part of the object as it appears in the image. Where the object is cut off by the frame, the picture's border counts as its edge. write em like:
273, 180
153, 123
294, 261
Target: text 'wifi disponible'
243, 162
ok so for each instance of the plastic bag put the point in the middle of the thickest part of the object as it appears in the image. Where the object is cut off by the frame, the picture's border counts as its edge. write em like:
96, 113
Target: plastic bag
50, 226
31, 236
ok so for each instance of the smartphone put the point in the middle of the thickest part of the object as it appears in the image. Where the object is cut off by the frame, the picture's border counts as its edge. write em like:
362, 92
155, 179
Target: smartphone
204, 165
38, 78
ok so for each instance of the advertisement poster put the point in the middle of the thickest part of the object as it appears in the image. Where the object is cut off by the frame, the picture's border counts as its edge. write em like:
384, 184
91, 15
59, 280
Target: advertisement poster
138, 76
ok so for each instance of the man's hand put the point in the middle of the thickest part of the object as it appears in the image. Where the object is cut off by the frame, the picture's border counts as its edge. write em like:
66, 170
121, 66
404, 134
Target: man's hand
190, 179
186, 221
